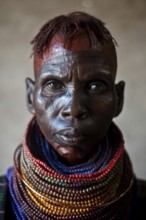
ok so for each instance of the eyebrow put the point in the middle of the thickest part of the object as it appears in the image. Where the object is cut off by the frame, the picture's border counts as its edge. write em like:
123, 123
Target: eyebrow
53, 71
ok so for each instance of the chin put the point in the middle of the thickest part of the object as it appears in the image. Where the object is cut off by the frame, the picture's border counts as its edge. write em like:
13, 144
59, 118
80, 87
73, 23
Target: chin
71, 156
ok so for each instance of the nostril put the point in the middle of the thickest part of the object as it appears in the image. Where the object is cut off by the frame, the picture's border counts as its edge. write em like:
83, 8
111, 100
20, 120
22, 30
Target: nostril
81, 114
66, 114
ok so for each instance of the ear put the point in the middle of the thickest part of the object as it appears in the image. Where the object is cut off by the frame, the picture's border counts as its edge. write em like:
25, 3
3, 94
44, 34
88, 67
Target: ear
29, 92
120, 97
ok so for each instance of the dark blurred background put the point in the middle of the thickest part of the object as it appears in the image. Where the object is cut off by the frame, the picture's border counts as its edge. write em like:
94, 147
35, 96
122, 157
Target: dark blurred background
21, 20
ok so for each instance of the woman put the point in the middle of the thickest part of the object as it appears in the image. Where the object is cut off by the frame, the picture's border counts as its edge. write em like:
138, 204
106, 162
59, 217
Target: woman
72, 163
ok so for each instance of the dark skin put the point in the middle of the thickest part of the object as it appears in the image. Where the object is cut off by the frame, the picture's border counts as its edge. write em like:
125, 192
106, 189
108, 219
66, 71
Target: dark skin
74, 96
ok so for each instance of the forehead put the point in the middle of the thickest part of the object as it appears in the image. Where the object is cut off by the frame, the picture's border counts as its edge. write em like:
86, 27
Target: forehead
77, 50
62, 60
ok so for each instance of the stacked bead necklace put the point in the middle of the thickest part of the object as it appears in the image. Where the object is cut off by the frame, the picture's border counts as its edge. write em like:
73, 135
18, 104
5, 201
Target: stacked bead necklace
44, 188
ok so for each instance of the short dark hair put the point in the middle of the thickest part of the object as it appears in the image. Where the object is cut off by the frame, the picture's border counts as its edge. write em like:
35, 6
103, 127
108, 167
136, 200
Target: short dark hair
70, 25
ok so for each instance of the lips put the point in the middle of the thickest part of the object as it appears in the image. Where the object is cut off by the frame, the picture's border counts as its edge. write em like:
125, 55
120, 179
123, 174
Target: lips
69, 137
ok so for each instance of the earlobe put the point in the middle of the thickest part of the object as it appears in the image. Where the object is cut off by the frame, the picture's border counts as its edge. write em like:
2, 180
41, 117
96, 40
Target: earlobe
29, 94
120, 97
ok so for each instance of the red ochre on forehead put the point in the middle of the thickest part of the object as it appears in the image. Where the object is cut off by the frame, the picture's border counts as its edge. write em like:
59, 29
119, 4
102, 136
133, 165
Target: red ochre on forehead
80, 42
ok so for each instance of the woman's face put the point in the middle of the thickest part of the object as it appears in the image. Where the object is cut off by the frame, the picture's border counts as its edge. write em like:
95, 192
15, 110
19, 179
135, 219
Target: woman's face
75, 98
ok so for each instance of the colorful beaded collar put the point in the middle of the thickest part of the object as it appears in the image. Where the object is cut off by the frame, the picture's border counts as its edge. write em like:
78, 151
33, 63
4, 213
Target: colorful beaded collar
43, 188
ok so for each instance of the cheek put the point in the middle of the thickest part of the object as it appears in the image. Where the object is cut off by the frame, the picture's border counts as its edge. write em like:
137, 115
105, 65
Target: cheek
110, 107
41, 103
47, 109
105, 107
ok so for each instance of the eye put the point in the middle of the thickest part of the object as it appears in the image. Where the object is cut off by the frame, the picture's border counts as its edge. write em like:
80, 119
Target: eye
97, 87
54, 86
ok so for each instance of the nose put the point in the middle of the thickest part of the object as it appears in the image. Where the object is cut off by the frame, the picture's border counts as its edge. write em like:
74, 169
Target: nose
75, 107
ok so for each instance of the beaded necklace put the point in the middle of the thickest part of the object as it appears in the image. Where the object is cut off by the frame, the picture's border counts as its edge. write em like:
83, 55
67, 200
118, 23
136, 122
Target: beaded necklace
43, 188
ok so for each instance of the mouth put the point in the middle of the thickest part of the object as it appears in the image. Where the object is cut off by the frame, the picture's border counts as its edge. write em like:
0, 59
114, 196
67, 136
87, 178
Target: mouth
69, 138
